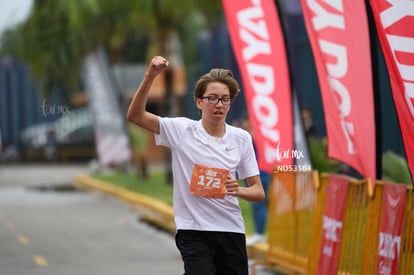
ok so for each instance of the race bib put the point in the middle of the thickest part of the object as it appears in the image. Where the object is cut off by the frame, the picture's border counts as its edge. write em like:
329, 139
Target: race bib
208, 181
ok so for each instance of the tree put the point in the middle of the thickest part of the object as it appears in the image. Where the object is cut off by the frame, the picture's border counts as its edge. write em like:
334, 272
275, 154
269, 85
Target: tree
58, 34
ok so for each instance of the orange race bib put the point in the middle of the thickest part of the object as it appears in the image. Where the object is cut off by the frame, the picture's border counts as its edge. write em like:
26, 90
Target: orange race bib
208, 181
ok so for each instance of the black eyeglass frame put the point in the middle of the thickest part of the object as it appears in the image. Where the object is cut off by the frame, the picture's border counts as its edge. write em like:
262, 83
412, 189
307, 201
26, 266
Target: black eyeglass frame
212, 99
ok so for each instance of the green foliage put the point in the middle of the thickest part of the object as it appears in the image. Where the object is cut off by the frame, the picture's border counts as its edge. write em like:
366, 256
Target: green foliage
319, 157
394, 168
58, 34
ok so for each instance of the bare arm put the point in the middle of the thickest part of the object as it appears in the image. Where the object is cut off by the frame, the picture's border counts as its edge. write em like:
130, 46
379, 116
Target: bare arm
254, 191
137, 113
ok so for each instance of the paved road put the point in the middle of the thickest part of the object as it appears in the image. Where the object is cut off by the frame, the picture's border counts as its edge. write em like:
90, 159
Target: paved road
67, 232
48, 227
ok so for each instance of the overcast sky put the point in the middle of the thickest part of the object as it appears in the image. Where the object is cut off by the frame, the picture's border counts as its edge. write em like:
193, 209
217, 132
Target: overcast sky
13, 12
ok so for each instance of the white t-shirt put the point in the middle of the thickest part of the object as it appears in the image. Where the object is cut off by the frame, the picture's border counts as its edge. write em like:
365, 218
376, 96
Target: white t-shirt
190, 144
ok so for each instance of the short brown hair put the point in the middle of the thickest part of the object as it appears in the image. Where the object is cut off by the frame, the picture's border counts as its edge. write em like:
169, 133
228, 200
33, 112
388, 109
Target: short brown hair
224, 76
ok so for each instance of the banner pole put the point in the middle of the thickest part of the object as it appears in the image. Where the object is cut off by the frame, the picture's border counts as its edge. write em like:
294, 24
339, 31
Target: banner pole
376, 90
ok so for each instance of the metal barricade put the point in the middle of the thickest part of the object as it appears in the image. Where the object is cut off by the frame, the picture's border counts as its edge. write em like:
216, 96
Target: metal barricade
371, 245
297, 204
360, 239
292, 200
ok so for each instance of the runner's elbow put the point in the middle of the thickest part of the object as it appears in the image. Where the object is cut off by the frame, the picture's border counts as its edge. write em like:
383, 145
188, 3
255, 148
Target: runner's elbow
133, 118
130, 117
259, 197
262, 196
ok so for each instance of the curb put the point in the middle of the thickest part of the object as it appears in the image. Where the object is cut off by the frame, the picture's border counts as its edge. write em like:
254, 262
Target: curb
153, 211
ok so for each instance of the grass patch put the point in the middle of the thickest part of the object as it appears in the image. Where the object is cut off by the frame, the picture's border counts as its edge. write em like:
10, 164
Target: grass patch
156, 187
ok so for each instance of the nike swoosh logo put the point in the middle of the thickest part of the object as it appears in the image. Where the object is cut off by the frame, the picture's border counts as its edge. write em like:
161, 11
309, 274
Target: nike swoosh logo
229, 148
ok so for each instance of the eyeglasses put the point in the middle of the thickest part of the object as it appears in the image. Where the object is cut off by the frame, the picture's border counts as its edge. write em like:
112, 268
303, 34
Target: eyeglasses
214, 99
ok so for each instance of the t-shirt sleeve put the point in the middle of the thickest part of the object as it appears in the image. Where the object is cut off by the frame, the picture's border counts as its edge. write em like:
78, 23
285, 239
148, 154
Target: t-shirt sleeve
171, 131
248, 165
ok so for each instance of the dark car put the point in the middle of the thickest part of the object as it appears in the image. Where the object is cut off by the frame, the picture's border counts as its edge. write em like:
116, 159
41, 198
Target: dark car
70, 137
